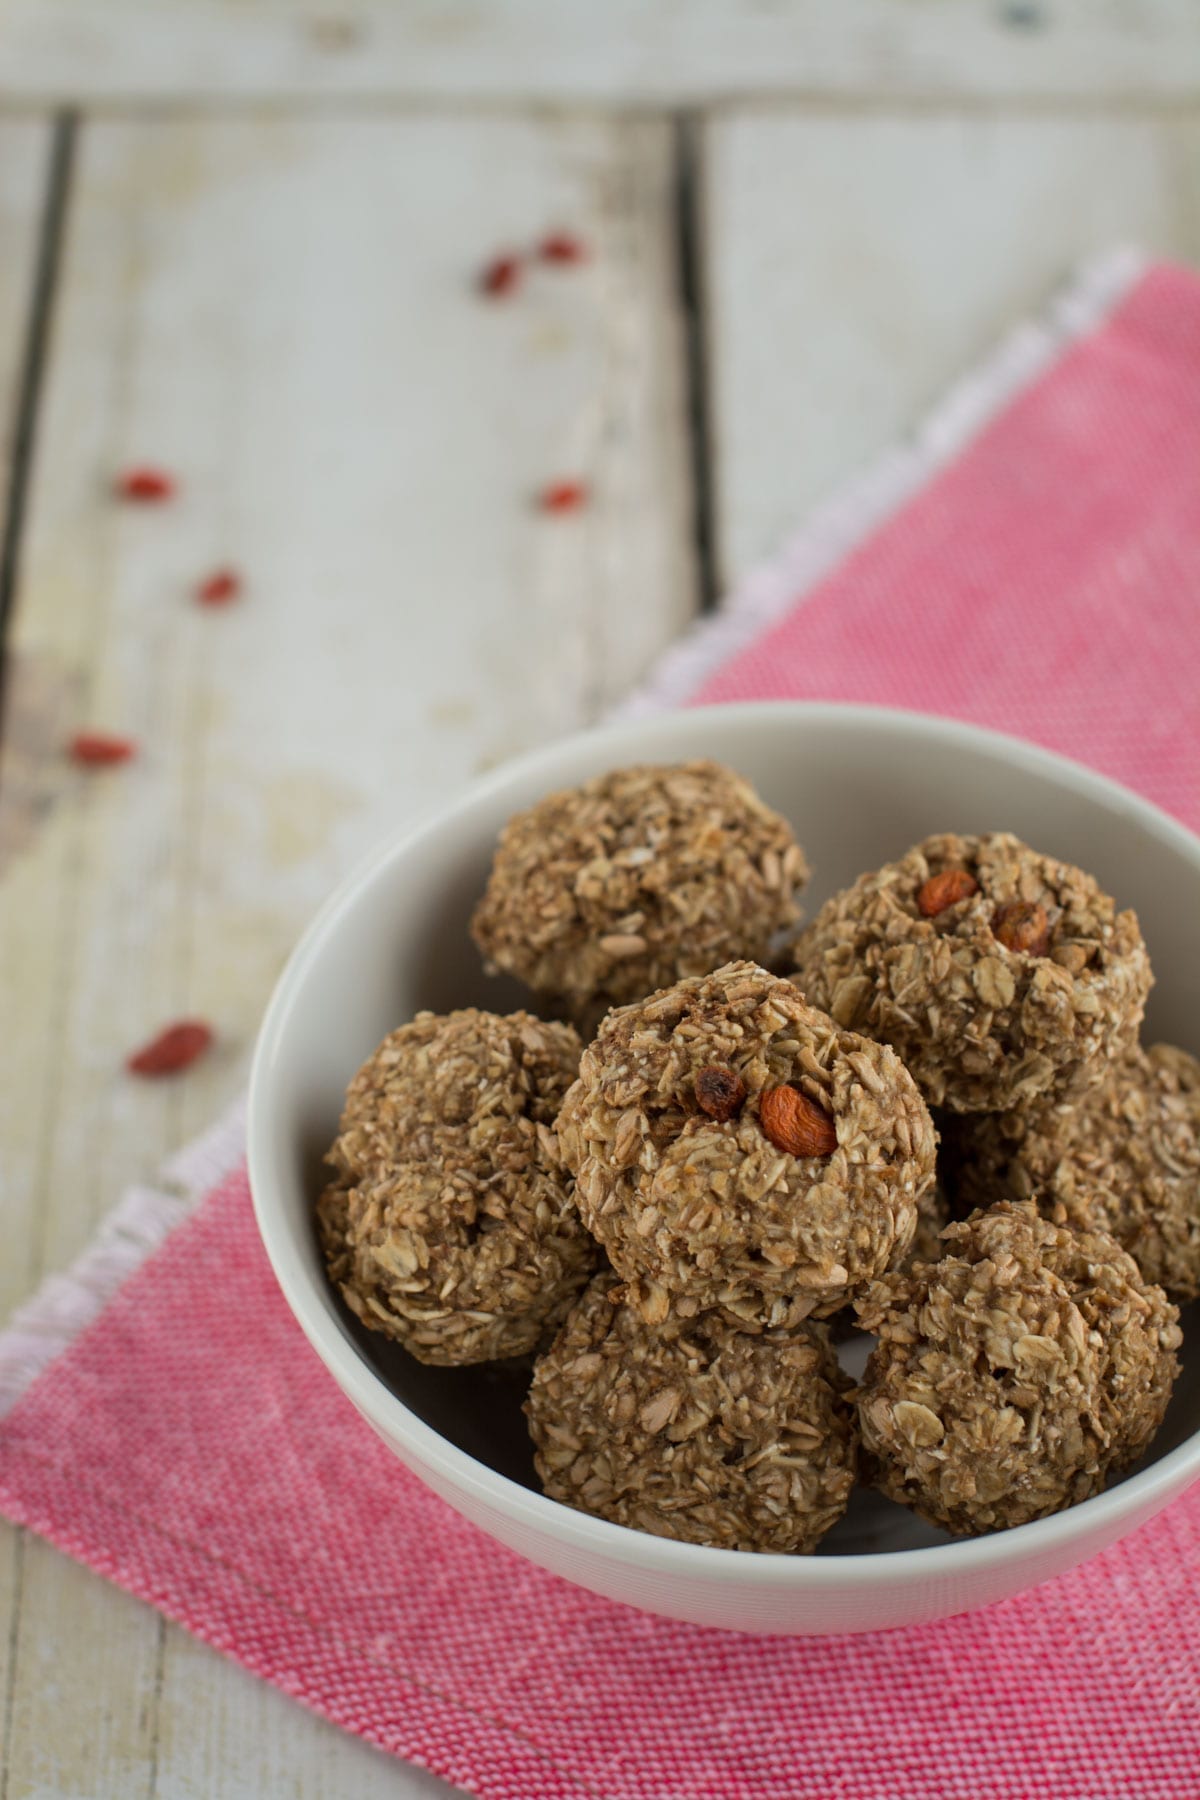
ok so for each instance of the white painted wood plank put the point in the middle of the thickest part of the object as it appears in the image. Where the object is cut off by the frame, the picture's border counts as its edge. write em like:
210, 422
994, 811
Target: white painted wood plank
25, 146
12, 1548
623, 51
856, 266
285, 315
24, 165
83, 1714
225, 1733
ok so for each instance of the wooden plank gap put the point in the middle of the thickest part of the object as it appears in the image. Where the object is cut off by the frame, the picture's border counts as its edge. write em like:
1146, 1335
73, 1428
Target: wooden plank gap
263, 106
160, 1660
37, 338
689, 244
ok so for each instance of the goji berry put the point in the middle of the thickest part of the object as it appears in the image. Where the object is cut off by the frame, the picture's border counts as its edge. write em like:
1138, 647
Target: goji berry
720, 1092
175, 1048
98, 750
943, 890
219, 588
563, 496
562, 247
146, 484
500, 276
1022, 926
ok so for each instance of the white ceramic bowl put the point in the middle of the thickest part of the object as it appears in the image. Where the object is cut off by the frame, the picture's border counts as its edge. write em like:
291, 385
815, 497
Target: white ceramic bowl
859, 786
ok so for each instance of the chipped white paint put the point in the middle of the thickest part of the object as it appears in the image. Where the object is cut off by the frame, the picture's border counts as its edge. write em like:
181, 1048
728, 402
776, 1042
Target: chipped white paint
857, 267
616, 52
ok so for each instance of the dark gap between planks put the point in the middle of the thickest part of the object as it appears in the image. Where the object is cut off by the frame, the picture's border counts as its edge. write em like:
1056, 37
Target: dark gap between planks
27, 397
689, 250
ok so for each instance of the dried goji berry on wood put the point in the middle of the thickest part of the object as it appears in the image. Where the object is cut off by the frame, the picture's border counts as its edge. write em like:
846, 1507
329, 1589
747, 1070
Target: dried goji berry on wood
146, 484
219, 588
98, 750
175, 1048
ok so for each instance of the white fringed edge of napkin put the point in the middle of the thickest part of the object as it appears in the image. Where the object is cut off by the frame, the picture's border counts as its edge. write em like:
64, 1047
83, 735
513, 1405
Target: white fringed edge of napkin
67, 1303
849, 517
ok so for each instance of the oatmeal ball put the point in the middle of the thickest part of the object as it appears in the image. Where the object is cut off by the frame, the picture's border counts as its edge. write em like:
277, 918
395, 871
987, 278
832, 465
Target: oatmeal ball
998, 974
1125, 1158
450, 1224
602, 893
695, 1430
1016, 1375
734, 1149
933, 1214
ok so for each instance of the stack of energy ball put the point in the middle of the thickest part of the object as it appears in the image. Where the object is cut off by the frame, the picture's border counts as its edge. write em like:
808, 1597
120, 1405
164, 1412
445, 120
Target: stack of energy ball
675, 1195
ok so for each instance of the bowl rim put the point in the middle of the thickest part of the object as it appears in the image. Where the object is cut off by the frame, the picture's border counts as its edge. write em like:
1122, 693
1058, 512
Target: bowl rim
313, 1305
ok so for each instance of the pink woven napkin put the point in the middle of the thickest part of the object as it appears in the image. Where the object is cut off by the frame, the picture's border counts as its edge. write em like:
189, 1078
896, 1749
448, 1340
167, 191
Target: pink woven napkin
1034, 564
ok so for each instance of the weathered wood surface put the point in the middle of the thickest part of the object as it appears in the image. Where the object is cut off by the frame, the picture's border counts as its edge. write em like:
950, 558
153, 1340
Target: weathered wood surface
25, 155
278, 305
25, 146
857, 266
285, 315
621, 52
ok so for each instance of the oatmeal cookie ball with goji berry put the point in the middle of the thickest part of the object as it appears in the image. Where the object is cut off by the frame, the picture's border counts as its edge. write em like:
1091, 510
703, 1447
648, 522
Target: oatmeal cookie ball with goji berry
449, 1224
603, 893
1124, 1158
997, 974
1016, 1375
694, 1430
735, 1149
